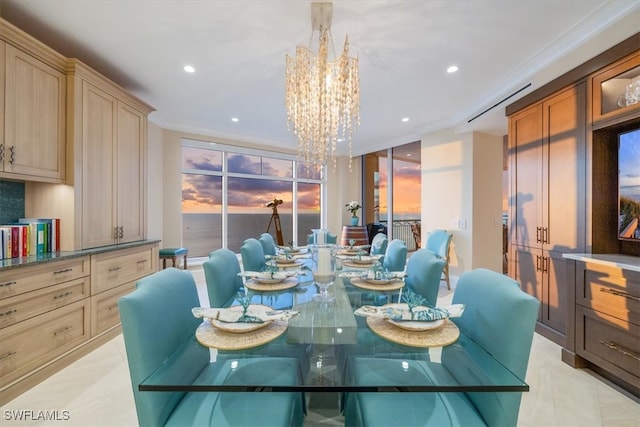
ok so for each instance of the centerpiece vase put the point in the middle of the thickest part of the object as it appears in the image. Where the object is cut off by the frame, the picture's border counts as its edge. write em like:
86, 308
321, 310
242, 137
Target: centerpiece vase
324, 270
354, 221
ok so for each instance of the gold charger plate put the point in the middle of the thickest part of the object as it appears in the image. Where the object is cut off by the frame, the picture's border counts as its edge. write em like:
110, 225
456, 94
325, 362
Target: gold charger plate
288, 283
447, 334
242, 327
392, 285
210, 336
288, 263
350, 263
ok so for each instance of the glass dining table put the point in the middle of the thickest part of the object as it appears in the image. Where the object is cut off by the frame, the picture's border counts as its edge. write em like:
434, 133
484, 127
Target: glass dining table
334, 345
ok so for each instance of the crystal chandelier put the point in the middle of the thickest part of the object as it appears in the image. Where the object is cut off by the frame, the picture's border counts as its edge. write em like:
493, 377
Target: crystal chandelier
322, 96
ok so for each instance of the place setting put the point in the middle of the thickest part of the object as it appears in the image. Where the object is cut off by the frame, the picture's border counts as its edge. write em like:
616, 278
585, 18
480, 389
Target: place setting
377, 280
270, 280
413, 323
240, 326
285, 261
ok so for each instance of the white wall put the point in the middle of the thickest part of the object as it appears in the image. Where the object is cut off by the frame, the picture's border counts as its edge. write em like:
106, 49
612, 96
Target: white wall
154, 183
462, 192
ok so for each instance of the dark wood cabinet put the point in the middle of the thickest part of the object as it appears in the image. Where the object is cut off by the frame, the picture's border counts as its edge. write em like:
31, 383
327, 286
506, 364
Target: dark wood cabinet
547, 205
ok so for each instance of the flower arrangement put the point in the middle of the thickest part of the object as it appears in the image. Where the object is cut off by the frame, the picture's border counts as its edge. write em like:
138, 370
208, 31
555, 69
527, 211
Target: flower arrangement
353, 207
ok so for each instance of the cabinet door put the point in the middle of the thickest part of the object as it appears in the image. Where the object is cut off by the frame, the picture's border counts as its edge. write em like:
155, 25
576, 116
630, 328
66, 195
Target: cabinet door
563, 174
525, 147
131, 146
554, 291
99, 163
35, 114
528, 271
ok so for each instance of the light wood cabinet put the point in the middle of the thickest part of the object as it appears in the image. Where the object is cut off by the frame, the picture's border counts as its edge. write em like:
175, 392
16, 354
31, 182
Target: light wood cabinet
33, 117
547, 154
53, 312
110, 132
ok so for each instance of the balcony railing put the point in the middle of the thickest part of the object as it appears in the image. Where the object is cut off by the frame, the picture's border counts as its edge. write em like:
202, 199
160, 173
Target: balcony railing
403, 230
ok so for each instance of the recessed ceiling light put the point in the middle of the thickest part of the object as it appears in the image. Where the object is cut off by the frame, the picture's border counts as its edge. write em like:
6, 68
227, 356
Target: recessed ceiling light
405, 119
452, 69
189, 69
235, 119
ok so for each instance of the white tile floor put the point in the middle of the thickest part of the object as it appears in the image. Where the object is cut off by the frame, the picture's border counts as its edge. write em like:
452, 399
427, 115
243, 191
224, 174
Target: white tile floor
96, 391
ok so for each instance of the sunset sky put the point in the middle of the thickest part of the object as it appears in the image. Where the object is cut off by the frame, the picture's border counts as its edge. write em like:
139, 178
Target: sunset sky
203, 193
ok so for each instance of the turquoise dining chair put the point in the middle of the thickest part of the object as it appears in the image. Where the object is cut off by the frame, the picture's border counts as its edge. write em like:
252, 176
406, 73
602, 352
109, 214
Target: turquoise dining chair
395, 257
379, 244
252, 254
221, 276
268, 244
439, 242
424, 270
158, 327
500, 318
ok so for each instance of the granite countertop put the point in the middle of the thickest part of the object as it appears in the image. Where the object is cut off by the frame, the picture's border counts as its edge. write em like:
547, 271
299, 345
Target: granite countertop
625, 262
10, 263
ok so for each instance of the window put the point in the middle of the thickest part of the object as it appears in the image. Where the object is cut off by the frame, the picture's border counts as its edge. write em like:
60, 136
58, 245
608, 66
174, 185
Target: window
226, 190
392, 191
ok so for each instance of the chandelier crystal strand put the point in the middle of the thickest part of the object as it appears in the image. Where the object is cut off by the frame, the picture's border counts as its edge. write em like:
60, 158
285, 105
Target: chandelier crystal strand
322, 100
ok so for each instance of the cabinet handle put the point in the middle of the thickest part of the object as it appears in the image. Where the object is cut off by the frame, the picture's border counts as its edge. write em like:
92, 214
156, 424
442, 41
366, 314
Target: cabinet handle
142, 261
9, 354
61, 330
537, 262
545, 235
66, 270
12, 154
114, 306
121, 232
112, 269
620, 349
115, 233
619, 293
66, 294
1, 152
545, 264
6, 284
538, 232
9, 313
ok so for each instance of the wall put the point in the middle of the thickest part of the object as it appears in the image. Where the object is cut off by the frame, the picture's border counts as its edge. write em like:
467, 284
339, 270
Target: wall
462, 192
155, 187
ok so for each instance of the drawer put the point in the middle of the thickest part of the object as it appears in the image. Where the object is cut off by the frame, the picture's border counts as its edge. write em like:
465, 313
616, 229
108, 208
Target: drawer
30, 344
16, 281
112, 269
104, 308
28, 305
606, 290
610, 343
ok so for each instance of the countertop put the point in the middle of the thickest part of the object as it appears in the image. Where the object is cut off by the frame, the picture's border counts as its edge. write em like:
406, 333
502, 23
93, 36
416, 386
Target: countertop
625, 262
10, 263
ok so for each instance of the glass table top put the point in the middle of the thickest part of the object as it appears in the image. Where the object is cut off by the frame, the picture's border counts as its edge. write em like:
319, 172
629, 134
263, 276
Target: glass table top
336, 351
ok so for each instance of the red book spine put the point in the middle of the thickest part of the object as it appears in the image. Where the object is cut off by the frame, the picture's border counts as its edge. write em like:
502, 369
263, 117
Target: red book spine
57, 245
15, 242
25, 240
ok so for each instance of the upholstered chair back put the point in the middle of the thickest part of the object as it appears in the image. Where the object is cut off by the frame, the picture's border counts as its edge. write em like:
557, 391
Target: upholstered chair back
156, 324
268, 244
379, 244
424, 270
221, 274
395, 257
252, 255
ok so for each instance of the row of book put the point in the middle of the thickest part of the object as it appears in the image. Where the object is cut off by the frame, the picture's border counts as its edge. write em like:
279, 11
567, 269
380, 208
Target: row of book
29, 236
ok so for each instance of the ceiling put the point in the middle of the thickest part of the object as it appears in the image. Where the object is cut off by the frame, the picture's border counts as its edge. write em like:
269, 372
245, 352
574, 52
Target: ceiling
238, 49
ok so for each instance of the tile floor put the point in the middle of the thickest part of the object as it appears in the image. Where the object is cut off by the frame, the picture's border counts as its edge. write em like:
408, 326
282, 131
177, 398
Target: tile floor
96, 391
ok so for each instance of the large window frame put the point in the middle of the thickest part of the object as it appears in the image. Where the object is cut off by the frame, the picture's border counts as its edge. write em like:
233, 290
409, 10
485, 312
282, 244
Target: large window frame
230, 150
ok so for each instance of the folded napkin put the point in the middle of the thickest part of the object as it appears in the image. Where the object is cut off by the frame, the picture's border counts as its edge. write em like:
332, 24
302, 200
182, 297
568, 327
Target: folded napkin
255, 314
401, 312
253, 274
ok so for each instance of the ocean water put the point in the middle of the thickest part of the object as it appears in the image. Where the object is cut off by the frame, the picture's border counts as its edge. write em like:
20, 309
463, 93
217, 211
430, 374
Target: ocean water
631, 191
202, 233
